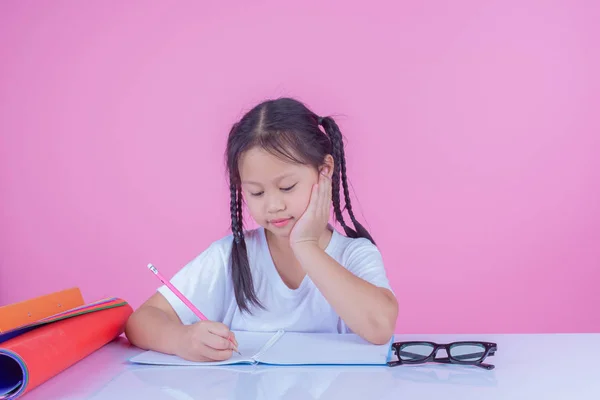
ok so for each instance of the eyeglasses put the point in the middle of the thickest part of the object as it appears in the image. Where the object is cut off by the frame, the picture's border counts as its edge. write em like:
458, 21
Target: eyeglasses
465, 353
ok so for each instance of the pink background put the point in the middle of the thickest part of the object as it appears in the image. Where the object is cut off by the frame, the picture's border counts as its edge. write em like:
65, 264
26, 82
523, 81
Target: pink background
473, 144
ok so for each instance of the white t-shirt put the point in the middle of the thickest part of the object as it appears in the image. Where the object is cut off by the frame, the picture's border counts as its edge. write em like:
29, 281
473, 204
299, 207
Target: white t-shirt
206, 282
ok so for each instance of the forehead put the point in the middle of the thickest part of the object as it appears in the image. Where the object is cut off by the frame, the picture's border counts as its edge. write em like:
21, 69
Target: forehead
259, 166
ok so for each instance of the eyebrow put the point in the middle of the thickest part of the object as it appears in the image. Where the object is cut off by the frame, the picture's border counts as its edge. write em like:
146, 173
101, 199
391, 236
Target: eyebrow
277, 179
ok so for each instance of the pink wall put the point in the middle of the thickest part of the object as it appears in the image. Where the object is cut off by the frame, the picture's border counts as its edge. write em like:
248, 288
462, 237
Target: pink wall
473, 144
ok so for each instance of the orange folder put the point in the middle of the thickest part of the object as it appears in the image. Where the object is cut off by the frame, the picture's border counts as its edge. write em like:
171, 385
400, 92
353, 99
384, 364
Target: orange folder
31, 354
31, 310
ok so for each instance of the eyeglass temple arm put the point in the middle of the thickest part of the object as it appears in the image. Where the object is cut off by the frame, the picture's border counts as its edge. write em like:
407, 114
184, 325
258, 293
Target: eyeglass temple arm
409, 354
446, 360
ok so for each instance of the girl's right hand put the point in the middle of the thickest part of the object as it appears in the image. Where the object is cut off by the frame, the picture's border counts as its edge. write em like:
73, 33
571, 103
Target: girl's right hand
205, 341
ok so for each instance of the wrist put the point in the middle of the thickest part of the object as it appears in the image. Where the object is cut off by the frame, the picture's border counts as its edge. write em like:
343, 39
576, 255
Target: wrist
178, 336
307, 254
305, 246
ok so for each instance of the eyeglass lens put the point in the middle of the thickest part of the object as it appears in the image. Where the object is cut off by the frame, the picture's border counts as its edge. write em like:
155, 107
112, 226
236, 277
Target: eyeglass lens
467, 352
462, 352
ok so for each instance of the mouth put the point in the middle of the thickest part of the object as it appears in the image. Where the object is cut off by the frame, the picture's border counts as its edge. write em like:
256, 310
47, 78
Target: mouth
280, 223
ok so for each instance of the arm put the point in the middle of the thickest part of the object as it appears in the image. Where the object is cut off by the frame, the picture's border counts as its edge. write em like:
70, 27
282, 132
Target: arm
368, 310
154, 325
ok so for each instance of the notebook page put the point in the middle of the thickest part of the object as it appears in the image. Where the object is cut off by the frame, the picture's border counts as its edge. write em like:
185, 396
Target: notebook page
249, 344
324, 348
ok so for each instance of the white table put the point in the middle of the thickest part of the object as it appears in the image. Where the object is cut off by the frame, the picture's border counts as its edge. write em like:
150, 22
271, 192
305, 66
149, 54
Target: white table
548, 366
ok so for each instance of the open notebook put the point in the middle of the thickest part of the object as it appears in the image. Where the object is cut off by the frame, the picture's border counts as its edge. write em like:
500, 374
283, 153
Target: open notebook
289, 348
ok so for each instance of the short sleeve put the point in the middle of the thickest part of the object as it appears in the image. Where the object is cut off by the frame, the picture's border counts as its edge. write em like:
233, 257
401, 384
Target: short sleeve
364, 260
204, 282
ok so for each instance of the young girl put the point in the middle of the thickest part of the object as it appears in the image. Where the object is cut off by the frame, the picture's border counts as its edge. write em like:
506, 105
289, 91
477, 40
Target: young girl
295, 272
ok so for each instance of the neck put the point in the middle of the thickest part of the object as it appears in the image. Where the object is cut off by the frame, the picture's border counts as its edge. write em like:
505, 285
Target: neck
281, 243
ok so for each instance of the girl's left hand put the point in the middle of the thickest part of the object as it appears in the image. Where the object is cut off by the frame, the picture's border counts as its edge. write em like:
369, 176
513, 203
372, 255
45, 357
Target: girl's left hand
313, 222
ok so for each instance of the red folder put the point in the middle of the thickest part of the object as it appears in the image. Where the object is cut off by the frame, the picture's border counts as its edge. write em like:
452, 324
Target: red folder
33, 353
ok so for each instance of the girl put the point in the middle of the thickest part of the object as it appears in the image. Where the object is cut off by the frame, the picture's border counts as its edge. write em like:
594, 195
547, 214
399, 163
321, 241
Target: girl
295, 272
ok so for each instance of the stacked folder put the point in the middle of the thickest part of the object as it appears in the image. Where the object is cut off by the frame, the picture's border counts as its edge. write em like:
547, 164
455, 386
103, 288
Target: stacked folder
41, 337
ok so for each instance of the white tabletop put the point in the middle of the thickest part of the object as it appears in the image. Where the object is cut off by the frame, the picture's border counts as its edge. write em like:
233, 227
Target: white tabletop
549, 366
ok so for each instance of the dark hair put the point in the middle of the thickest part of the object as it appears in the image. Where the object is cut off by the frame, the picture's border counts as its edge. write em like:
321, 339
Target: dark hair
287, 129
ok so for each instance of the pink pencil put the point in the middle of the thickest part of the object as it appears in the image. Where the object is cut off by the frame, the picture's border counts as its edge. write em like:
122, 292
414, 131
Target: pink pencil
184, 299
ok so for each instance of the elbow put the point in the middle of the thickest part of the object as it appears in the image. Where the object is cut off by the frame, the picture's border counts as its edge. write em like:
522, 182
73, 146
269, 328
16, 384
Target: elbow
379, 337
383, 323
382, 331
133, 329
129, 329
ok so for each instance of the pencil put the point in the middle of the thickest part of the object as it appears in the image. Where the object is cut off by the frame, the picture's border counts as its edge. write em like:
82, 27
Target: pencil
185, 300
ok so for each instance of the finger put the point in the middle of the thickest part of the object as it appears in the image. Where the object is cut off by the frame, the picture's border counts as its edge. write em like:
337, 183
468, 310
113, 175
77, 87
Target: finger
217, 342
234, 339
322, 184
324, 196
314, 197
220, 329
217, 355
328, 194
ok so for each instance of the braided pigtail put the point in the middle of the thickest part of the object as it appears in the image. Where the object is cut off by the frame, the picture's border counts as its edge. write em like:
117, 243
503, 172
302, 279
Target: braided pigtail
339, 175
240, 267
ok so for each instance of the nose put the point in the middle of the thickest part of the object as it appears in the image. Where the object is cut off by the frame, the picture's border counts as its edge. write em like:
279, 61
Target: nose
275, 203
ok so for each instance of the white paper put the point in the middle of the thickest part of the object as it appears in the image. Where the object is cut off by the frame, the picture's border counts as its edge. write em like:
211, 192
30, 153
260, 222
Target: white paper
324, 348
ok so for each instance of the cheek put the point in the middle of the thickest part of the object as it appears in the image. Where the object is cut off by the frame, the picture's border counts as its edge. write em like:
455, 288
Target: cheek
300, 201
253, 206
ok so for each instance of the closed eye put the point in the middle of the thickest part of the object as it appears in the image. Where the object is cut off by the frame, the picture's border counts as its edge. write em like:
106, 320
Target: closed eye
287, 189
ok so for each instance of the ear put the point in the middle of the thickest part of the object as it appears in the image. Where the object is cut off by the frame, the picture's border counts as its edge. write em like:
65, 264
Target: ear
327, 166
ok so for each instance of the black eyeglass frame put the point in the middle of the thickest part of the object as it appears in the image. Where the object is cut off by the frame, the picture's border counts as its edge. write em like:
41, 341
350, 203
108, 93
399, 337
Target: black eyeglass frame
489, 350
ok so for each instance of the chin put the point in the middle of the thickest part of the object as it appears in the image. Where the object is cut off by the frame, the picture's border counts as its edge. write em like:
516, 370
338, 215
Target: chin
280, 232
